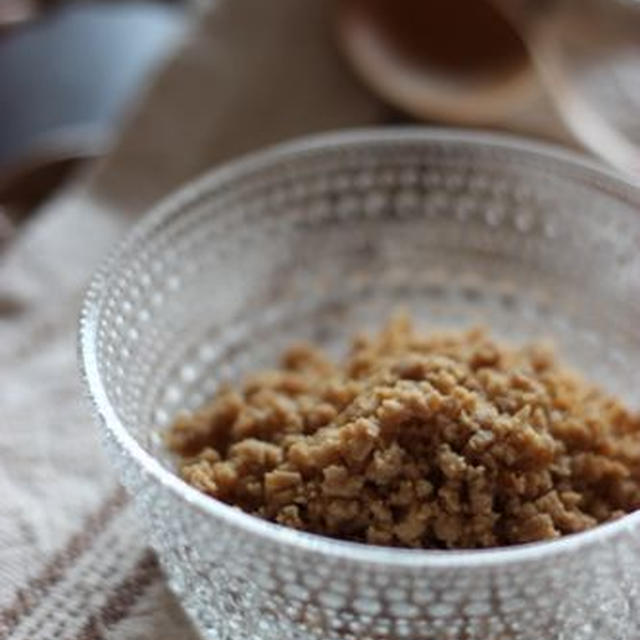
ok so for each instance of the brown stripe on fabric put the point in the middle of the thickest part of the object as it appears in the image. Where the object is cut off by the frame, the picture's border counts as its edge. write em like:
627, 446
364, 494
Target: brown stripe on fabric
123, 597
29, 596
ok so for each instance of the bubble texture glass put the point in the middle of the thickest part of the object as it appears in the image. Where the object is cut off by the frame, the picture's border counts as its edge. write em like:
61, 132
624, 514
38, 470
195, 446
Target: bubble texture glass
313, 240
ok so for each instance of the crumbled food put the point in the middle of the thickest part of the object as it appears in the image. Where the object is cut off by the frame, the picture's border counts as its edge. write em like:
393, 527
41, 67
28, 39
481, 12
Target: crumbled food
434, 440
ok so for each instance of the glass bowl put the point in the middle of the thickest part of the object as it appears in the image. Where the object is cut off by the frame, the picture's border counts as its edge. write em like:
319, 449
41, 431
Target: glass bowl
314, 239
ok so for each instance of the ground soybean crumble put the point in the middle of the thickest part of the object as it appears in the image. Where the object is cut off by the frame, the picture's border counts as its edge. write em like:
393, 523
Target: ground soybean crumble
433, 440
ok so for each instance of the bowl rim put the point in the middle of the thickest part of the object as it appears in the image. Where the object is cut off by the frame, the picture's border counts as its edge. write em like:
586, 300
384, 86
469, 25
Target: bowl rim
302, 542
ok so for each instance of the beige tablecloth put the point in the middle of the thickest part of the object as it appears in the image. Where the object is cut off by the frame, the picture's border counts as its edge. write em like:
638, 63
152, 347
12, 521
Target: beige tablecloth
73, 561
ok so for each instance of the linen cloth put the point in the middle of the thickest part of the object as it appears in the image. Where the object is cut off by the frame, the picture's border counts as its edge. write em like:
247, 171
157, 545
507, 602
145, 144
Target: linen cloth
73, 560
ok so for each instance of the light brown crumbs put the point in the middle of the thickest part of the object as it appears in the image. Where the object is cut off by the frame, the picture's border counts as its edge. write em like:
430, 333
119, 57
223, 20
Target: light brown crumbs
440, 440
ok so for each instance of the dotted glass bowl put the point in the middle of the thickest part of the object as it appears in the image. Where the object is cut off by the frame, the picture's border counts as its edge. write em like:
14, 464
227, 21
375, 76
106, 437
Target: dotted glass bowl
314, 239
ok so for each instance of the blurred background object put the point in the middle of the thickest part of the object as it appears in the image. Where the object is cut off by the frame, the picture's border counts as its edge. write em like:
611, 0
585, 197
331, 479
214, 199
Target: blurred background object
68, 73
13, 12
567, 70
587, 53
454, 61
486, 62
